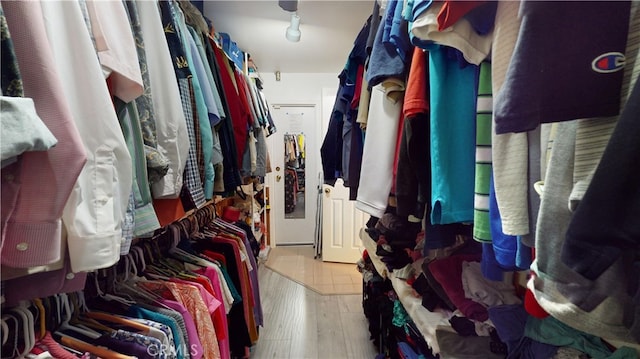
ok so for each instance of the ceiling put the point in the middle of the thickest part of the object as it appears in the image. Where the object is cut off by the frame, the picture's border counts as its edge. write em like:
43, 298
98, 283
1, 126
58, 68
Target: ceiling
258, 27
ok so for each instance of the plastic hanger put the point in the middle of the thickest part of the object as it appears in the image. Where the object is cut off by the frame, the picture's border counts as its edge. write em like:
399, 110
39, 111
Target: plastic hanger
5, 331
137, 255
123, 298
58, 309
84, 323
24, 318
10, 317
66, 325
105, 295
49, 313
129, 284
145, 293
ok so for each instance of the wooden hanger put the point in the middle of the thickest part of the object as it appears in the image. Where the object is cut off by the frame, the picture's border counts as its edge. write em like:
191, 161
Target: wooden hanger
108, 317
41, 318
84, 323
84, 347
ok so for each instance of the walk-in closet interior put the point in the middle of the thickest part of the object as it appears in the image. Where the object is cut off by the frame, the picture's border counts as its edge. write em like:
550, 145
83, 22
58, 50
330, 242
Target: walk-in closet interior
359, 179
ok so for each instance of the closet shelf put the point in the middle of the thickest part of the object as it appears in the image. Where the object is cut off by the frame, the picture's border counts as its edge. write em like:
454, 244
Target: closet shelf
425, 320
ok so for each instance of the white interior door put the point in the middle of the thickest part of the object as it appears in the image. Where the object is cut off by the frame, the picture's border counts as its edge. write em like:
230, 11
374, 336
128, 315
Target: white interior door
341, 221
294, 182
341, 224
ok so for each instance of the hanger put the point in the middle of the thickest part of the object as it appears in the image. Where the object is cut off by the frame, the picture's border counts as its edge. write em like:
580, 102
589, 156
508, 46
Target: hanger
129, 284
108, 317
49, 311
66, 321
145, 293
185, 256
4, 331
186, 226
228, 226
139, 255
81, 322
57, 306
241, 193
23, 318
147, 252
84, 347
10, 317
108, 293
202, 217
42, 314
162, 266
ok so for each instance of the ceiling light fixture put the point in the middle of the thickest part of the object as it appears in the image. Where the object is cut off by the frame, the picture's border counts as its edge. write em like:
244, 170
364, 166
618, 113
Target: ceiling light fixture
289, 5
293, 31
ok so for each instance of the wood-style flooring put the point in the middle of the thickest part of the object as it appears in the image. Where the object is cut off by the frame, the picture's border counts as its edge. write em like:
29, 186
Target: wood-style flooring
298, 263
301, 323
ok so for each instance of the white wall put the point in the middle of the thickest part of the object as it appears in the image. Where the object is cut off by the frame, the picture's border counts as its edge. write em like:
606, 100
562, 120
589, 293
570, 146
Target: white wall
298, 88
301, 89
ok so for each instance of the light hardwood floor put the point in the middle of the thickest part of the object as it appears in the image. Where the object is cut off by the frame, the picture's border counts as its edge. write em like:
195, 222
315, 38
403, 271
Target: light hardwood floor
297, 263
300, 323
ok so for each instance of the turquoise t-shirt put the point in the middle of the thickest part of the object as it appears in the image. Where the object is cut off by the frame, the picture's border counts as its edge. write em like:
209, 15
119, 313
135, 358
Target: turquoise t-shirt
453, 106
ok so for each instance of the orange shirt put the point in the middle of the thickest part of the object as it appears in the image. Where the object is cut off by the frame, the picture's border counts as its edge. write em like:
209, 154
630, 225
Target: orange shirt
416, 98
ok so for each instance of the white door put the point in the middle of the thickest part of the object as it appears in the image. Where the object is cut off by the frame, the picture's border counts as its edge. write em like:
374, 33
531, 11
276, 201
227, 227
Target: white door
295, 155
342, 222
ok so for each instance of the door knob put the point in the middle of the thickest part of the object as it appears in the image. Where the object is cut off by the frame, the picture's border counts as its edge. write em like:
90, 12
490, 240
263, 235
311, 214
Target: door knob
327, 190
278, 178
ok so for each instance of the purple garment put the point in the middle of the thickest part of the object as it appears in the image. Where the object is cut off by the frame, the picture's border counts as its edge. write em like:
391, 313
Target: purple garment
448, 272
194, 340
125, 347
510, 322
44, 284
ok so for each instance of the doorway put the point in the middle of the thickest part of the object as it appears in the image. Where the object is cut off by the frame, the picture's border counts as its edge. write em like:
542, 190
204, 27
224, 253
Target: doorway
294, 159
